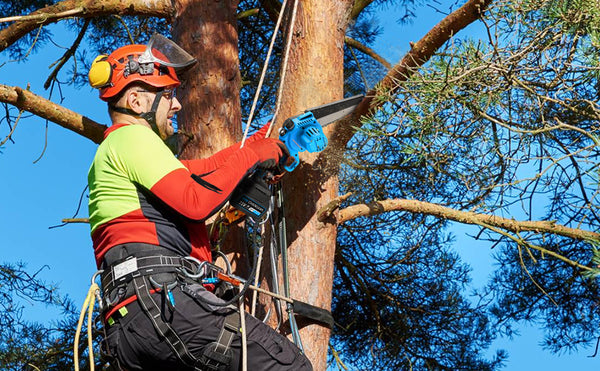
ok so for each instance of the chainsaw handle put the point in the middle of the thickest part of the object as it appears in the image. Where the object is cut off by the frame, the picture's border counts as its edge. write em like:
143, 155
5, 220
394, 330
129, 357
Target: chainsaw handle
286, 133
291, 162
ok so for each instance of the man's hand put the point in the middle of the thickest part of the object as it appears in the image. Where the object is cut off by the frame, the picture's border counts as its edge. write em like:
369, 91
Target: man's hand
272, 153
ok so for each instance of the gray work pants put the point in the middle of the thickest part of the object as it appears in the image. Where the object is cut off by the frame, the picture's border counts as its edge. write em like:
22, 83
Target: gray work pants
135, 343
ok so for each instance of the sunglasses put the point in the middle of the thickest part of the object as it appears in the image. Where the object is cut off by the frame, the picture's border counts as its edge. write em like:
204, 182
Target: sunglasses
169, 94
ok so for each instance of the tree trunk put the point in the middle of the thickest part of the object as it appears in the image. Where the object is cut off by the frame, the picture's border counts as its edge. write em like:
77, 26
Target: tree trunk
210, 94
314, 76
210, 97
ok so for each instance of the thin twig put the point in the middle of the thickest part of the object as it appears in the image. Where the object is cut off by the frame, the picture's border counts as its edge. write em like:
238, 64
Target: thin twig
37, 35
131, 40
12, 129
68, 54
531, 277
45, 144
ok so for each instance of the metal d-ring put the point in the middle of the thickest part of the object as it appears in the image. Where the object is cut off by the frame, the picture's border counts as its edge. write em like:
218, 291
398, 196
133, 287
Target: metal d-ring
99, 272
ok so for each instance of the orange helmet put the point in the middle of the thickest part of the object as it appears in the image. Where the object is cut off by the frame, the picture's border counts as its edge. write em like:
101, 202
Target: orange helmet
154, 64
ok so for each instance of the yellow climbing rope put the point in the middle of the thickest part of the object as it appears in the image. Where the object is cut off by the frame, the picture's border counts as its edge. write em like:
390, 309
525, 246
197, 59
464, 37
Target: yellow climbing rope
88, 306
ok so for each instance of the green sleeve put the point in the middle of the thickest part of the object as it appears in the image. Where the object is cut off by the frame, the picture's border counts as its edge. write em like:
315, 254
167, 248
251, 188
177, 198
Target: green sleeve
142, 155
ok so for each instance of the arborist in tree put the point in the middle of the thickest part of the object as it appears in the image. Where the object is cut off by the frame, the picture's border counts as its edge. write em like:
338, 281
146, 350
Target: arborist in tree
147, 214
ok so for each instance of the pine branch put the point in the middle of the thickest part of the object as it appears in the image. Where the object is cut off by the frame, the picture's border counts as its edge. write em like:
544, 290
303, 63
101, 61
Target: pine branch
466, 217
43, 16
419, 54
366, 50
89, 8
30, 102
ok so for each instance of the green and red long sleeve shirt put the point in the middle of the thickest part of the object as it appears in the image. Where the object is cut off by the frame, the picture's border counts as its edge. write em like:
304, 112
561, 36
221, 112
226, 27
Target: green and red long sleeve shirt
140, 192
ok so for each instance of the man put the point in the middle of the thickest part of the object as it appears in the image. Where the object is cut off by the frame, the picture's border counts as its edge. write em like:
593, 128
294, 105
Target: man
147, 212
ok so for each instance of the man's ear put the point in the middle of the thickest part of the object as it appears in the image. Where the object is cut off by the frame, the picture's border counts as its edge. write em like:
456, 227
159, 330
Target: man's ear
136, 101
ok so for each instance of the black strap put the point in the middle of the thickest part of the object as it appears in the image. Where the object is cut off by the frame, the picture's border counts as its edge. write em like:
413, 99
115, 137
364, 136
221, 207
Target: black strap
153, 312
149, 116
217, 355
124, 110
231, 327
314, 313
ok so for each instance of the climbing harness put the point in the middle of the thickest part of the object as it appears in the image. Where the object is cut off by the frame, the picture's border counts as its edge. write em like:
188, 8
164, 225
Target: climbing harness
135, 275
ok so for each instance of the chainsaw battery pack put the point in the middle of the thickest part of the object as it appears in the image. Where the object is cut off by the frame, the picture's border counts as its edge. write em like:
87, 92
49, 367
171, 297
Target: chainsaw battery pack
252, 196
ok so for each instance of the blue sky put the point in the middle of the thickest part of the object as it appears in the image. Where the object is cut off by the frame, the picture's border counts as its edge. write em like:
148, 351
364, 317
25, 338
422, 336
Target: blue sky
37, 196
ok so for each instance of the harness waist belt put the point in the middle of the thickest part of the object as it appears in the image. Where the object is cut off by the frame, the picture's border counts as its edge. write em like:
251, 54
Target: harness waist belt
123, 272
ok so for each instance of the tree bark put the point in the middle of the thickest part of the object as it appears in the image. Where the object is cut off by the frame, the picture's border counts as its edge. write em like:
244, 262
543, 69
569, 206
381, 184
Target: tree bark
210, 94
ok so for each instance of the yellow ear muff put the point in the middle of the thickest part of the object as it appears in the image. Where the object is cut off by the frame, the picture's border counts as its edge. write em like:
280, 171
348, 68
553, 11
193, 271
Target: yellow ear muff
100, 72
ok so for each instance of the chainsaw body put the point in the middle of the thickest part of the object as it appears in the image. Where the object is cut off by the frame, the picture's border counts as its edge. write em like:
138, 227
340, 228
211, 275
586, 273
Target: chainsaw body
302, 133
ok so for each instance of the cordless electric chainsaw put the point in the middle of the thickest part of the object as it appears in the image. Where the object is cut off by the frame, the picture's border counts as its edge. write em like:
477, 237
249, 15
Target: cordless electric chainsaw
300, 133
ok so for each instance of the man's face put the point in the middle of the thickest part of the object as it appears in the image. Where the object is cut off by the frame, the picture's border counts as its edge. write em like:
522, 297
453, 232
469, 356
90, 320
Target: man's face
141, 100
167, 108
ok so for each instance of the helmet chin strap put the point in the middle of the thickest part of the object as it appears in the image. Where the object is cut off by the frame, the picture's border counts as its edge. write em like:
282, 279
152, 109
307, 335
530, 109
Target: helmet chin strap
149, 116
